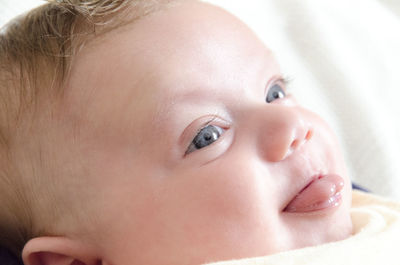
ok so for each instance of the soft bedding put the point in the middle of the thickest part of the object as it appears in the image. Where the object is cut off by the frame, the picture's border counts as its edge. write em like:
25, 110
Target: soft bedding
376, 239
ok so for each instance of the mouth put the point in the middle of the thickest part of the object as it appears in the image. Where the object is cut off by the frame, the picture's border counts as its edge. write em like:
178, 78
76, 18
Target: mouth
321, 193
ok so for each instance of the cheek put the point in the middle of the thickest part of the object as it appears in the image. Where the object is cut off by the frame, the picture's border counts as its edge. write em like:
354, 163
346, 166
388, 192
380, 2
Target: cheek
326, 140
227, 191
225, 202
325, 136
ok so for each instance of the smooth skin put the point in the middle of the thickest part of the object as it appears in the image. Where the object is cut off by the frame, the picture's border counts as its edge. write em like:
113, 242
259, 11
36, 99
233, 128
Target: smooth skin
139, 95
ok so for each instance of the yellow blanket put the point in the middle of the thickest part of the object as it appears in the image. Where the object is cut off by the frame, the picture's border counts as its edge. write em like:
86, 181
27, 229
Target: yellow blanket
375, 240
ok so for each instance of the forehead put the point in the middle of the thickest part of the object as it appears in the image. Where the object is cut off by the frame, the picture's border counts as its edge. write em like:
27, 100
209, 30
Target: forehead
147, 66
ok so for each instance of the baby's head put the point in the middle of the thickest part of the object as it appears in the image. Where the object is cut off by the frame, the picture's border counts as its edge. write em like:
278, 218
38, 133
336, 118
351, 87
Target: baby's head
163, 136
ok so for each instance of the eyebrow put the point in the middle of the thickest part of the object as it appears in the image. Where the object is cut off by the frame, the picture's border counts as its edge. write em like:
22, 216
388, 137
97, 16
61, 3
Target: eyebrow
193, 94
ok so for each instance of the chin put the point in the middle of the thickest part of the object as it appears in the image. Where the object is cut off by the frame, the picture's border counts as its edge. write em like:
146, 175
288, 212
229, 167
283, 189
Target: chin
341, 225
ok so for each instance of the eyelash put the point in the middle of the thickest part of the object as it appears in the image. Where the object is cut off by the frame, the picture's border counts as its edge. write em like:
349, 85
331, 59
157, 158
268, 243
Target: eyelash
213, 118
285, 80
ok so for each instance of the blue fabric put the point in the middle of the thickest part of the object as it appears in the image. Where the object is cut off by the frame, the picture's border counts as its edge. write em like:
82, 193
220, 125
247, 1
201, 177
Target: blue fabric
6, 258
358, 187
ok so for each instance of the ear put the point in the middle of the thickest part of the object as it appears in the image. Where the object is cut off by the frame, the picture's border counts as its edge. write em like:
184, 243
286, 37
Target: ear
58, 251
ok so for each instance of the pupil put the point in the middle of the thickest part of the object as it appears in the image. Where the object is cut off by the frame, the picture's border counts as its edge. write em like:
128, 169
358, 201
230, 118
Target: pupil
275, 94
207, 137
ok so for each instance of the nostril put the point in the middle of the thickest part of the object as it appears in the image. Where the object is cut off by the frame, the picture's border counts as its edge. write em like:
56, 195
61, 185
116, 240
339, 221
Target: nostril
295, 144
309, 135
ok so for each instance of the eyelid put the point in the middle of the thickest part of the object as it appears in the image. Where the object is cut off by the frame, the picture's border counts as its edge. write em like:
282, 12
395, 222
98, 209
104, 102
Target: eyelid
214, 117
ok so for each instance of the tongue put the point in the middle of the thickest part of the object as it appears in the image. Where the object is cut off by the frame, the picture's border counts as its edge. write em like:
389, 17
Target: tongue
319, 194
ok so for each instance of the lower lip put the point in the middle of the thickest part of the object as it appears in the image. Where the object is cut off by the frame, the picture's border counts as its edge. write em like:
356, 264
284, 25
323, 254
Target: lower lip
324, 192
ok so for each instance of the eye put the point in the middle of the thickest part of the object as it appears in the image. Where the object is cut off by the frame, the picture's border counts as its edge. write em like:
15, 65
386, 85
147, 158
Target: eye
206, 136
276, 91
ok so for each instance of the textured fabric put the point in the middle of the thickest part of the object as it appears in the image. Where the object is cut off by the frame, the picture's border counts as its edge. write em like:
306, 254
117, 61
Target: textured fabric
375, 241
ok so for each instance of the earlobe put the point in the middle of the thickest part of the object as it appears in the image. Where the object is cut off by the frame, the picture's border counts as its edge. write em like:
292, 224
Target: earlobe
58, 251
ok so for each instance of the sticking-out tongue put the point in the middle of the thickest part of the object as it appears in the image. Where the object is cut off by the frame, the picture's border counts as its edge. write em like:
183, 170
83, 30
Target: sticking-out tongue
321, 193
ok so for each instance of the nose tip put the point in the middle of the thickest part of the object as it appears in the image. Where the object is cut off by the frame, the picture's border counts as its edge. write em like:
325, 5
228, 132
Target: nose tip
284, 133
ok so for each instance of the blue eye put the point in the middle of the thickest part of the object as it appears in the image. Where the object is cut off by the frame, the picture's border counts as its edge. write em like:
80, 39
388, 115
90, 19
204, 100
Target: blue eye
275, 92
206, 136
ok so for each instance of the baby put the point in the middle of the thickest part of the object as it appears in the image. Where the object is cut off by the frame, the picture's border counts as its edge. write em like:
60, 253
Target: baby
157, 132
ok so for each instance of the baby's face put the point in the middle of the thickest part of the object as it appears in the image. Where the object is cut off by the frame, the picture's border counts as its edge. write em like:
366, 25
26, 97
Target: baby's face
194, 152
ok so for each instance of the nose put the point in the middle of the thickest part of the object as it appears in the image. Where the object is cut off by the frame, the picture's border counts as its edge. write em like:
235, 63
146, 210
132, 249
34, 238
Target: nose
283, 130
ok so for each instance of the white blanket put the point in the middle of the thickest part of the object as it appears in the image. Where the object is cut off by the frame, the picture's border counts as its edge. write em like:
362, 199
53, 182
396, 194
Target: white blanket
344, 59
376, 239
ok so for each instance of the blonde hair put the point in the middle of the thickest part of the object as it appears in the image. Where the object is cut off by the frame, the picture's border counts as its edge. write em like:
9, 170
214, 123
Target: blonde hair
36, 53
